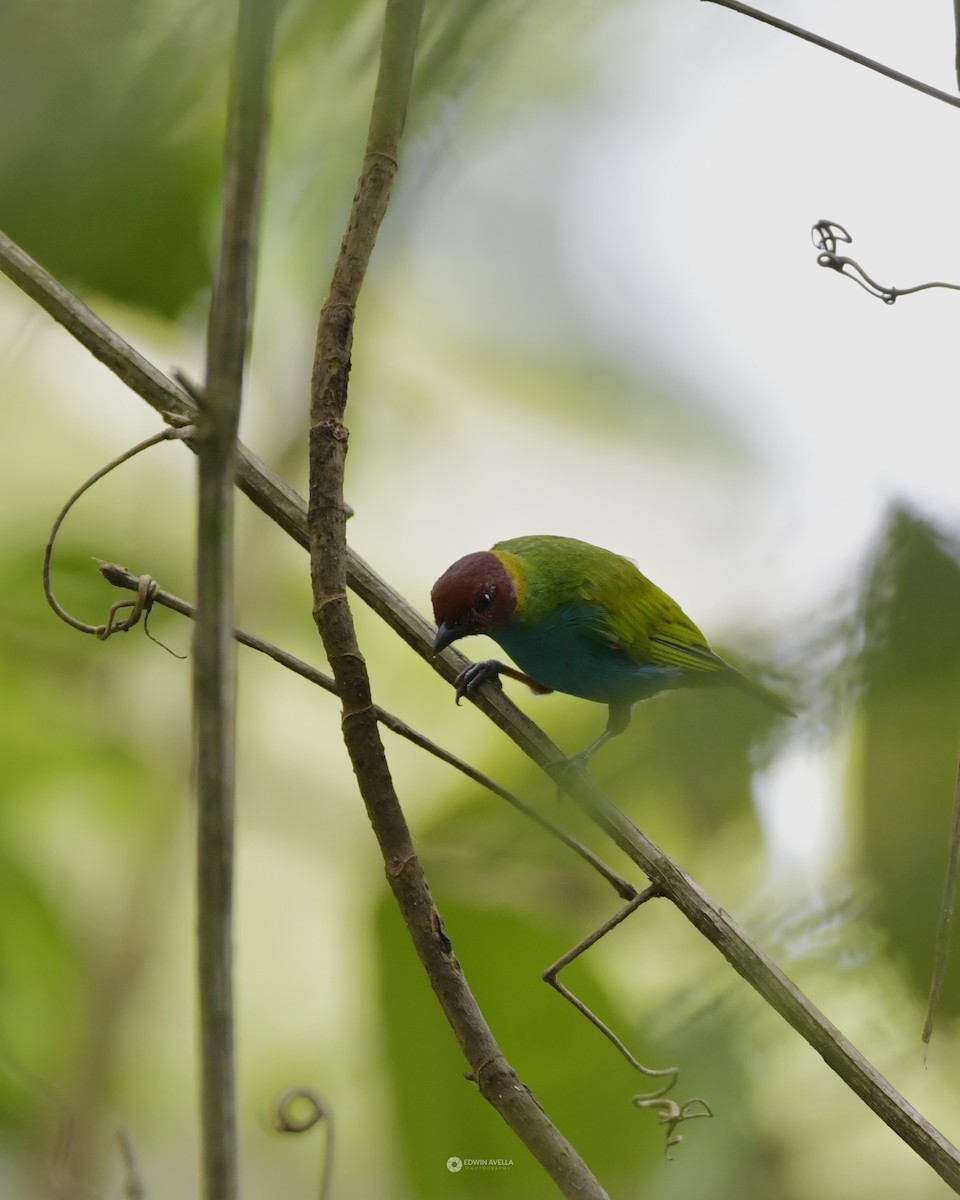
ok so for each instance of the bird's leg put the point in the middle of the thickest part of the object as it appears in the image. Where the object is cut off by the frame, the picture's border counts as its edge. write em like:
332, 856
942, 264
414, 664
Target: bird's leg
489, 671
581, 760
617, 721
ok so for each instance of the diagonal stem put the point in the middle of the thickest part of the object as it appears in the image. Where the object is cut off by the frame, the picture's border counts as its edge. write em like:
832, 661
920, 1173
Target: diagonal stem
844, 52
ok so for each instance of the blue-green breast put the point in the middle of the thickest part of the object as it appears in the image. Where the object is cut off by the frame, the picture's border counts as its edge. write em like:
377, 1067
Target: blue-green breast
563, 652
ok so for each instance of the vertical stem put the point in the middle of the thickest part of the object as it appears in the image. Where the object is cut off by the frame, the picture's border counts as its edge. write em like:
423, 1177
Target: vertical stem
956, 21
214, 681
493, 1075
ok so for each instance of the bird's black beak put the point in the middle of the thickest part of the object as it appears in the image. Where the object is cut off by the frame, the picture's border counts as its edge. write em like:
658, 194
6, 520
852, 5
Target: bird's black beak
446, 634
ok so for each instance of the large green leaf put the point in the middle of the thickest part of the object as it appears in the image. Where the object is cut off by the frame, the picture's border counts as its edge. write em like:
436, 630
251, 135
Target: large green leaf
911, 702
108, 161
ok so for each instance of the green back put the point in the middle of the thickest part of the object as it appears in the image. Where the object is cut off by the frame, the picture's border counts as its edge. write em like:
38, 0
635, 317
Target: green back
624, 607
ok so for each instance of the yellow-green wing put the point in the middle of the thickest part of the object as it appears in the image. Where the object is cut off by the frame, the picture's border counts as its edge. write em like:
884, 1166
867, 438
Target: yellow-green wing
644, 622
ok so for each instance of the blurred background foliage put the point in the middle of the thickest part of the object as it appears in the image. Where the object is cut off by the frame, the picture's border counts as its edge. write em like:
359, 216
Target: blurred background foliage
487, 400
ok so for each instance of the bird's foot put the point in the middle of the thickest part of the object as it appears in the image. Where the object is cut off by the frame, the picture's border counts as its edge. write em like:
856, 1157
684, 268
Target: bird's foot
566, 771
580, 762
470, 678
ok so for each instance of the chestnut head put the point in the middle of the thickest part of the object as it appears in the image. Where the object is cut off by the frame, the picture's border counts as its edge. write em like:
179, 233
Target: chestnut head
476, 595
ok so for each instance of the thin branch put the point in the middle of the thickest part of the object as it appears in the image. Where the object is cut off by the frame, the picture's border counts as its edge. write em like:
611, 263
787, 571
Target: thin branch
495, 1078
121, 577
843, 51
550, 976
214, 674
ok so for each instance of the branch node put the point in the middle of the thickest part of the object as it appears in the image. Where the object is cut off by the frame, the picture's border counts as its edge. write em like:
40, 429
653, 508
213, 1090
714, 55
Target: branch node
399, 863
351, 712
496, 1065
354, 656
338, 596
382, 156
333, 429
440, 933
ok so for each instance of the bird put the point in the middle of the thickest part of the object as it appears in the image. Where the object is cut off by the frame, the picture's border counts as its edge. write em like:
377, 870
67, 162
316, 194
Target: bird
577, 619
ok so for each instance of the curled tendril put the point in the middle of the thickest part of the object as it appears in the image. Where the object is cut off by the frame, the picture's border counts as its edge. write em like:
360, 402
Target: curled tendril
672, 1114
317, 1111
826, 234
147, 589
286, 1120
826, 237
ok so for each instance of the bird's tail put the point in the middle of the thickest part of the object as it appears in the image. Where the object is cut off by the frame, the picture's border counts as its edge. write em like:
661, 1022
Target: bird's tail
761, 693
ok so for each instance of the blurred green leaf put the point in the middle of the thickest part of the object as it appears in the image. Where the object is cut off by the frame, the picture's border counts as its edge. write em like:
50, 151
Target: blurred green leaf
108, 161
911, 700
41, 961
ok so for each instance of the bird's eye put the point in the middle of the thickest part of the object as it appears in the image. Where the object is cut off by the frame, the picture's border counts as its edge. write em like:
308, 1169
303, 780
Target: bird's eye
483, 602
